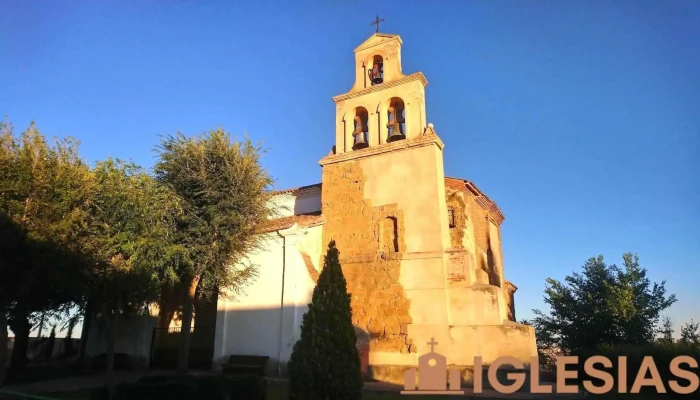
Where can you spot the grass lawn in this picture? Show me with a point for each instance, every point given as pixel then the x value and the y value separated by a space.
pixel 274 392
pixel 279 392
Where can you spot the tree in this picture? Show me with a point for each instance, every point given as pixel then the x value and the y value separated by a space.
pixel 666 331
pixel 68 348
pixel 41 187
pixel 605 304
pixel 325 361
pixel 12 240
pixel 223 188
pixel 127 230
pixel 690 332
pixel 50 343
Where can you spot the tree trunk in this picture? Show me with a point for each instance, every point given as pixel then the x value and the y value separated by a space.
pixel 167 307
pixel 3 343
pixel 111 322
pixel 41 326
pixel 20 326
pixel 85 331
pixel 183 357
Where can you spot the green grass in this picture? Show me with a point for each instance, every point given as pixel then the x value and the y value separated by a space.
pixel 274 392
pixel 279 392
pixel 81 394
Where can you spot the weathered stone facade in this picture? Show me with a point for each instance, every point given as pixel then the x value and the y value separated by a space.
pixel 370 240
pixel 421 253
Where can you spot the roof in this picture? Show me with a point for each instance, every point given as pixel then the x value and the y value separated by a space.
pixel 479 196
pixel 298 190
pixel 377 39
pixel 305 220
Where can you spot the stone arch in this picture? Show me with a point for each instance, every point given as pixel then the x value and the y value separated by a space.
pixel 375 70
pixel 341 131
pixel 396 124
pixel 381 120
pixel 360 128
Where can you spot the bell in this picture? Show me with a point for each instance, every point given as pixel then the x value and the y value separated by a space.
pixel 359 141
pixel 395 126
pixel 395 134
pixel 376 74
pixel 359 135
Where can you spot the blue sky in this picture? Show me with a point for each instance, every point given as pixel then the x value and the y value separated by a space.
pixel 580 119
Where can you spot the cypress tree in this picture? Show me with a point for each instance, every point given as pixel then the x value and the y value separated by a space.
pixel 325 362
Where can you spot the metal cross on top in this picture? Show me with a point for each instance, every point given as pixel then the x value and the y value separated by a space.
pixel 376 22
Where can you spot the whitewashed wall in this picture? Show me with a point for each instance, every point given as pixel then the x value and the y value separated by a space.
pixel 261 322
pixel 308 202
pixel 133 337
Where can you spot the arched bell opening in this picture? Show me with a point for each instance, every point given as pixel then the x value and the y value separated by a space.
pixel 397 120
pixel 361 139
pixel 376 72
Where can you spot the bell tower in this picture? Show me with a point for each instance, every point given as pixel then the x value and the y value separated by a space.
pixel 383 105
pixel 408 265
pixel 383 200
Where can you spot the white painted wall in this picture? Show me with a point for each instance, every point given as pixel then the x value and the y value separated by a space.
pixel 133 337
pixel 288 204
pixel 308 202
pixel 284 204
pixel 261 322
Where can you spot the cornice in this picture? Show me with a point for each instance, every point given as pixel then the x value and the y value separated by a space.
pixel 383 39
pixel 420 141
pixel 418 76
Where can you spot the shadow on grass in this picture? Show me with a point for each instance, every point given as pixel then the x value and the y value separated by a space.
pixel 275 392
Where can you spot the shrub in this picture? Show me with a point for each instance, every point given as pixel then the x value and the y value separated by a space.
pixel 325 362
pixel 247 387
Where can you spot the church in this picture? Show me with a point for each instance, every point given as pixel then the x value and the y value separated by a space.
pixel 421 252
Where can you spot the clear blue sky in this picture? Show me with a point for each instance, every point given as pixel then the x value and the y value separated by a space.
pixel 581 119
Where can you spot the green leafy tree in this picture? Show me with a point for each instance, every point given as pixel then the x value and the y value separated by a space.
pixel 127 230
pixel 602 305
pixel 223 188
pixel 325 361
pixel 12 239
pixel 690 332
pixel 666 331
pixel 42 186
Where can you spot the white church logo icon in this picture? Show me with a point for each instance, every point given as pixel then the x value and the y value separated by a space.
pixel 432 368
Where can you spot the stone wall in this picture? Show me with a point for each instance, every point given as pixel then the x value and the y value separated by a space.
pixel 510 300
pixel 471 216
pixel 370 240
pixel 455 202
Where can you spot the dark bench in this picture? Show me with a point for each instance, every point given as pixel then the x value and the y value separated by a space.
pixel 246 365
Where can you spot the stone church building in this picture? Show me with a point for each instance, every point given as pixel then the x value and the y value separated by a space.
pixel 421 252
